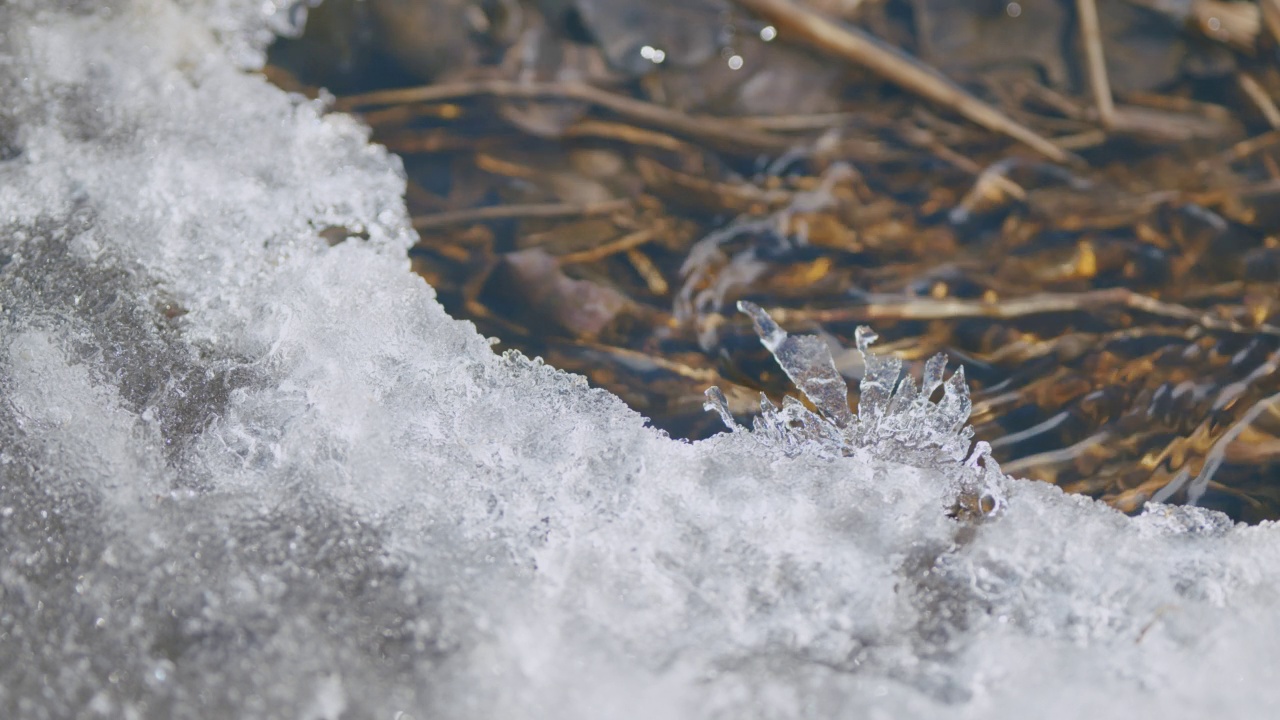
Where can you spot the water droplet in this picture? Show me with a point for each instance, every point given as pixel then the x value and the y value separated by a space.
pixel 653 54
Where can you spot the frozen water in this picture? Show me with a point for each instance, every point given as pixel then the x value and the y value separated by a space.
pixel 895 419
pixel 245 473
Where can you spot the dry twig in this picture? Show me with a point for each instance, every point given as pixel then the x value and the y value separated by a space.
pixel 1096 63
pixel 629 241
pixel 507 212
pixel 1260 99
pixel 711 130
pixel 1039 304
pixel 803 25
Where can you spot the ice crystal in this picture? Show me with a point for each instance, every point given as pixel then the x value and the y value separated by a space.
pixel 896 419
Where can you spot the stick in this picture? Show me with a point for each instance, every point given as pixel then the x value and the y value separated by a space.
pixel 852 44
pixel 1261 99
pixel 622 244
pixel 506 212
pixel 1039 304
pixel 1095 62
pixel 709 129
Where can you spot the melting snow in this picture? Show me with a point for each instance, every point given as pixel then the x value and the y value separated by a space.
pixel 246 474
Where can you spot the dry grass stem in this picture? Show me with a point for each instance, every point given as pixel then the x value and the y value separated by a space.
pixel 505 212
pixel 799 24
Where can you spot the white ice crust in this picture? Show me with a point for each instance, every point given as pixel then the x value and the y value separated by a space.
pixel 247 473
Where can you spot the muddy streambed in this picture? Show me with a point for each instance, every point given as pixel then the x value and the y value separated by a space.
pixel 1076 202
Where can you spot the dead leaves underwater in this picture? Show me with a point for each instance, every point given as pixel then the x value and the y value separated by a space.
pixel 1078 201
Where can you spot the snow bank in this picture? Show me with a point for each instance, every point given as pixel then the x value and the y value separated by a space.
pixel 247 473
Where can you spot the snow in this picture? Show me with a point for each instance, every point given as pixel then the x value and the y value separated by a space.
pixel 245 473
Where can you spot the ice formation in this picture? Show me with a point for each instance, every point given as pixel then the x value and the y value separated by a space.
pixel 896 420
pixel 247 473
